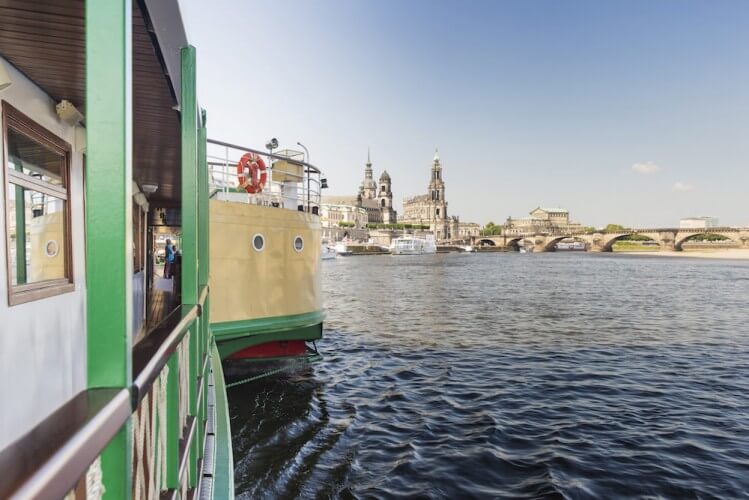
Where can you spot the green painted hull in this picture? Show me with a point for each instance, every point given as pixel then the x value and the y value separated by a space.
pixel 233 336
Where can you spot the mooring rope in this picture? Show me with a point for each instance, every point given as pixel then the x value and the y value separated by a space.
pixel 305 360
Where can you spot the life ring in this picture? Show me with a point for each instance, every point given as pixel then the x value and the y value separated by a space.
pixel 252 173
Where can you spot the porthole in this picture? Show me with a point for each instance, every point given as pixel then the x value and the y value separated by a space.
pixel 298 244
pixel 258 242
pixel 51 248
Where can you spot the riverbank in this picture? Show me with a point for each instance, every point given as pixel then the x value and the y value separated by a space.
pixel 724 254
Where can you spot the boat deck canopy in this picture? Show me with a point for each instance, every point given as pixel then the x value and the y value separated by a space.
pixel 45 40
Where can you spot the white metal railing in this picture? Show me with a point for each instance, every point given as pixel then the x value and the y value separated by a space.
pixel 292 183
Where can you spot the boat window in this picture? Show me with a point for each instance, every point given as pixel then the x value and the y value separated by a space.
pixel 258 242
pixel 298 244
pixel 37 215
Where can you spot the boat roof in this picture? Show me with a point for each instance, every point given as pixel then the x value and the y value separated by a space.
pixel 45 40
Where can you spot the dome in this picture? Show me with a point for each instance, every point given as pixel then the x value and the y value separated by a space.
pixel 385 176
pixel 369 183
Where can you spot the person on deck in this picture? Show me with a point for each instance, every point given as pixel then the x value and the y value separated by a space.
pixel 168 259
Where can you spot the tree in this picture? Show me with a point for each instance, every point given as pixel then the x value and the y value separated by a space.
pixel 491 229
pixel 613 228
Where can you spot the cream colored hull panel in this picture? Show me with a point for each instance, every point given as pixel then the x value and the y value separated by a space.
pixel 277 281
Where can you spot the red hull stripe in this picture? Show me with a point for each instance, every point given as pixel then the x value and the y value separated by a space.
pixel 274 349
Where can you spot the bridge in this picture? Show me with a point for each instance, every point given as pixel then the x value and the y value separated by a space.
pixel 603 241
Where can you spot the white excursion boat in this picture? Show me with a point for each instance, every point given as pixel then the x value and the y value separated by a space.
pixel 327 252
pixel 410 245
pixel 341 248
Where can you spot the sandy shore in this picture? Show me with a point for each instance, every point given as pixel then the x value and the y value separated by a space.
pixel 730 254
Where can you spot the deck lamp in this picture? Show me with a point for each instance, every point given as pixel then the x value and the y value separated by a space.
pixel 149 188
pixel 68 113
pixel 5 80
pixel 270 146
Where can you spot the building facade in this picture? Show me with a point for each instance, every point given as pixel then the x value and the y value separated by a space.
pixel 340 221
pixel 377 198
pixel 336 215
pixel 372 204
pixel 698 222
pixel 542 221
pixel 468 230
pixel 431 208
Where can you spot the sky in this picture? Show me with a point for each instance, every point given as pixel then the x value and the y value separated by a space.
pixel 631 112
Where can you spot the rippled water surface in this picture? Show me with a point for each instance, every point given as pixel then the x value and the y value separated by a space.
pixel 509 375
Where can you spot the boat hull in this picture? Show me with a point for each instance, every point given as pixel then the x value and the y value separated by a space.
pixel 266 295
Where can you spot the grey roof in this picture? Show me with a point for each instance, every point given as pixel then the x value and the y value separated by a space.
pixel 551 210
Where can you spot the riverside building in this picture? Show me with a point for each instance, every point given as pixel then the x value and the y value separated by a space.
pixel 698 222
pixel 431 209
pixel 376 199
pixel 342 221
pixel 542 220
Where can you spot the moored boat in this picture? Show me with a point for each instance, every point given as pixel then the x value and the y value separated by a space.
pixel 327 252
pixel 265 254
pixel 342 249
pixel 117 386
pixel 412 245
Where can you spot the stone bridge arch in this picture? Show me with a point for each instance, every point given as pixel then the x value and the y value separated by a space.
pixel 484 242
pixel 729 235
pixel 551 241
pixel 609 240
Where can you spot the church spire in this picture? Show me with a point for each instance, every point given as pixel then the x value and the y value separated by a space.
pixel 368 186
pixel 436 155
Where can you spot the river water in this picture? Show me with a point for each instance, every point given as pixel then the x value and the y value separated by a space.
pixel 508 375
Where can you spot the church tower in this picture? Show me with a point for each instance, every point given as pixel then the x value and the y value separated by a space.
pixel 436 185
pixel 386 194
pixel 385 199
pixel 441 222
pixel 368 187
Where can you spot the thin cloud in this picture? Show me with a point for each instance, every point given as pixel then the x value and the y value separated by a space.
pixel 645 167
pixel 680 186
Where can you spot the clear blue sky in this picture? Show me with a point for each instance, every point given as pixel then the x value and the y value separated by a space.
pixel 631 112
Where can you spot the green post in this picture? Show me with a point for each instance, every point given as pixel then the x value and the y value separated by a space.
pixel 109 259
pixel 20 236
pixel 189 122
pixel 202 267
pixel 173 432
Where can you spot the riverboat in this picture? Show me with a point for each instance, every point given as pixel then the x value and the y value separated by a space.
pixel 411 245
pixel 118 382
pixel 265 251
pixel 327 252
pixel 342 249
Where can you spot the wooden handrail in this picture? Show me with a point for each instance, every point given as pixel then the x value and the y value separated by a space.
pixel 153 352
pixel 48 460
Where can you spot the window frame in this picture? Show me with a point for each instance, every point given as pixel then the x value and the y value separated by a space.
pixel 22 124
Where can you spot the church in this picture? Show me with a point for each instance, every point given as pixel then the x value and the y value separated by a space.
pixel 431 208
pixel 375 197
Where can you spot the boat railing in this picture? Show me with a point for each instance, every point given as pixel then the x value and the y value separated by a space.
pixel 292 183
pixel 166 407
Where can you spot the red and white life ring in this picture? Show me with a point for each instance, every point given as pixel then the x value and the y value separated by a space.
pixel 252 173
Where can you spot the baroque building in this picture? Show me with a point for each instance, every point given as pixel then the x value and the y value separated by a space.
pixel 542 220
pixel 376 198
pixel 431 208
